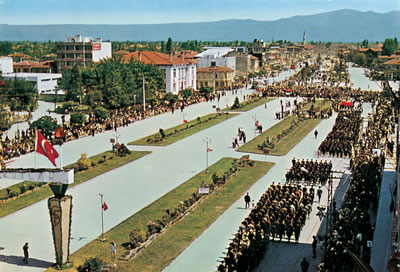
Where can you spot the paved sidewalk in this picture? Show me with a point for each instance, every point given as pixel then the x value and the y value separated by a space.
pixel 382 243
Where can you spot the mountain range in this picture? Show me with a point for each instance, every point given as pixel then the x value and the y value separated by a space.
pixel 337 26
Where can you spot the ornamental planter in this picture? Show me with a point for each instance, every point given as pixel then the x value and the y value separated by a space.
pixel 60 216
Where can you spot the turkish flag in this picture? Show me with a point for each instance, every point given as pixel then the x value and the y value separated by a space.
pixel 105 207
pixel 43 147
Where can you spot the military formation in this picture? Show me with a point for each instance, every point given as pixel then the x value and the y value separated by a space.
pixel 351 228
pixel 340 141
pixel 280 213
pixel 312 172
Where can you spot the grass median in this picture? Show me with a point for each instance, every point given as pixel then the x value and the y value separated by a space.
pixel 251 104
pixel 286 143
pixel 169 245
pixel 182 131
pixel 40 193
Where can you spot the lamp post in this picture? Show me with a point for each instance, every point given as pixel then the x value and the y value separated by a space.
pixel 207 141
pixel 102 219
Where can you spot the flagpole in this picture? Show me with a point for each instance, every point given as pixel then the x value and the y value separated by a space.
pixel 36 138
pixel 102 220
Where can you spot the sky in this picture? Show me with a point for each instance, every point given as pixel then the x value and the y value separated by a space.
pixel 38 12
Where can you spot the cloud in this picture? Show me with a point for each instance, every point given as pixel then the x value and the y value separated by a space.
pixel 2 2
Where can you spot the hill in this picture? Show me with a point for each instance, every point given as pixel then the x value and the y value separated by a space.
pixel 341 25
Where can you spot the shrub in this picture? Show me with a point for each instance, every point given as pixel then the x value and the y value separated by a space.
pixel 78 118
pixel 91 265
pixel 22 188
pixel 136 237
pixel 83 163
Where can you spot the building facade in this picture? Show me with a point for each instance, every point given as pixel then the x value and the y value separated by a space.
pixel 217 56
pixel 215 77
pixel 80 51
pixel 29 66
pixel 45 83
pixel 392 69
pixel 6 65
pixel 180 73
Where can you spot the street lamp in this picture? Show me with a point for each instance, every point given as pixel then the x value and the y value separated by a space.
pixel 207 141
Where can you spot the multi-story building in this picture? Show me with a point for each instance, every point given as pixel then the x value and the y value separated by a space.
pixel 245 64
pixel 180 73
pixel 215 77
pixel 80 50
pixel 392 69
pixel 45 83
pixel 217 56
pixel 6 65
pixel 29 66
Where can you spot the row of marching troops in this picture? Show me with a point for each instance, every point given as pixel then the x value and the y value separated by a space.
pixel 312 172
pixel 353 227
pixel 280 213
pixel 345 132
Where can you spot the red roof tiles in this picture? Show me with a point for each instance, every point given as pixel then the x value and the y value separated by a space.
pixel 156 58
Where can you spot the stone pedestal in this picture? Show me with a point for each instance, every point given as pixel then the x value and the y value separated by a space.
pixel 60 216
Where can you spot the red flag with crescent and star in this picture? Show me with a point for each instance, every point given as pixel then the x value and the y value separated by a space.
pixel 43 147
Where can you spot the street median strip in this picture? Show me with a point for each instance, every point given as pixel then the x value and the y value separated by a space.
pixel 174 134
pixel 238 176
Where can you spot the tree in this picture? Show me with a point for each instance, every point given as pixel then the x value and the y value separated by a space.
pixel 169 45
pixel 171 98
pixel 364 43
pixel 101 113
pixel 162 47
pixel 78 118
pixel 389 46
pixel 186 93
pixel 45 124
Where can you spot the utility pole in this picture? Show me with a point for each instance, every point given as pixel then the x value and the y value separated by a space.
pixel 207 141
pixel 102 219
pixel 144 98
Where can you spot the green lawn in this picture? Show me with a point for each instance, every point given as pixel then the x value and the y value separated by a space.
pixel 251 104
pixel 169 245
pixel 285 144
pixel 182 131
pixel 292 139
pixel 44 192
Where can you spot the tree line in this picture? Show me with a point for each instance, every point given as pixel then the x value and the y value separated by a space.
pixel 113 83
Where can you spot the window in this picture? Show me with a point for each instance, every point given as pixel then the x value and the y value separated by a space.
pixel 216 75
pixel 174 76
pixel 213 63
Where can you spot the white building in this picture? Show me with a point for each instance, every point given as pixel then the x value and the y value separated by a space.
pixel 217 56
pixel 46 83
pixel 80 50
pixel 180 73
pixel 6 65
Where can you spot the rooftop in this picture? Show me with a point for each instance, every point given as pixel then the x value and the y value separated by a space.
pixel 392 62
pixel 156 58
pixel 214 52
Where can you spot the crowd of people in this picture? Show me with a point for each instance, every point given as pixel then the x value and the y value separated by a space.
pixel 344 134
pixel 280 214
pixel 310 171
pixel 24 140
pixel 352 227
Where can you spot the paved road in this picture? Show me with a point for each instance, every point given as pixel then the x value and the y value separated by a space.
pixel 128 188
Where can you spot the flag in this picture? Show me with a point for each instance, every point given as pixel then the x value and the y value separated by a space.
pixel 105 207
pixel 303 169
pixel 185 121
pixel 43 147
pixel 209 149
